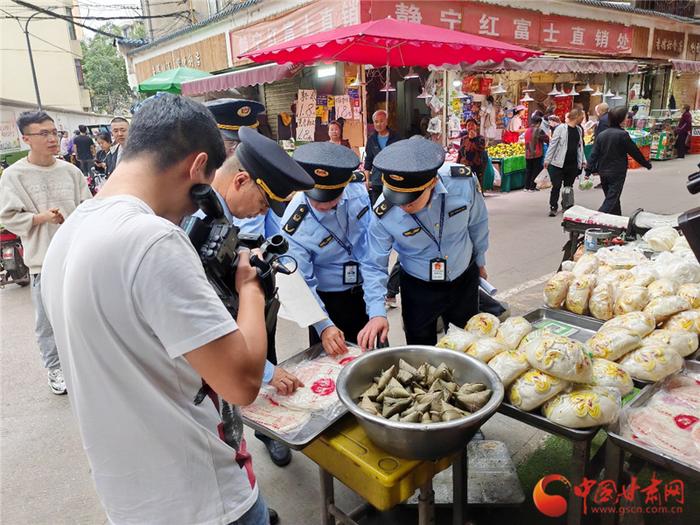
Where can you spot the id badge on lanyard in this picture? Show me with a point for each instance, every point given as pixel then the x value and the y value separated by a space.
pixel 351 273
pixel 438 270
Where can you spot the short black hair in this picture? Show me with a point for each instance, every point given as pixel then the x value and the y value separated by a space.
pixel 489 98
pixel 171 127
pixel 535 120
pixel 82 128
pixel 105 136
pixel 31 117
pixel 118 119
pixel 635 108
pixel 617 116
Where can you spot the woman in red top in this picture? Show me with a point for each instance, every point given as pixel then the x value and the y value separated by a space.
pixel 535 139
pixel 683 130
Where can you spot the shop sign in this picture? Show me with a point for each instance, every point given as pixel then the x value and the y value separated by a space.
pixel 317 17
pixel 9 134
pixel 668 44
pixel 516 26
pixel 693 51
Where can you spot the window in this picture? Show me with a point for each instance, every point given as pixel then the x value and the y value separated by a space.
pixel 79 72
pixel 71 25
pixel 213 7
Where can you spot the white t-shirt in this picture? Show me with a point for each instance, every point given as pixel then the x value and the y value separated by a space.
pixel 127 296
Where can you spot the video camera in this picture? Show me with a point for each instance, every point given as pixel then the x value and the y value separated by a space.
pixel 689 221
pixel 218 242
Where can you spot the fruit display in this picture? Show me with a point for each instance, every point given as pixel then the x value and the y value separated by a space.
pixel 506 151
pixel 640 137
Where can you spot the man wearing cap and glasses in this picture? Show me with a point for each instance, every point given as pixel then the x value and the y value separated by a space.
pixel 436 219
pixel 253 185
pixel 326 228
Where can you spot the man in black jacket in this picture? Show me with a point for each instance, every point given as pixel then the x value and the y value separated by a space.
pixel 603 115
pixel 609 160
pixel 376 142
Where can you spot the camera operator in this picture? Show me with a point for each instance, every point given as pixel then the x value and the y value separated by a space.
pixel 138 328
pixel 247 205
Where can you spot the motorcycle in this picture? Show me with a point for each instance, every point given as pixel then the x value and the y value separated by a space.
pixel 95 181
pixel 12 267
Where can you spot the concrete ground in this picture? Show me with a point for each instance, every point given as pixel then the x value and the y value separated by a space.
pixel 45 477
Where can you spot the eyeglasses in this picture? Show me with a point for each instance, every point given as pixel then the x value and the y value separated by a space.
pixel 43 134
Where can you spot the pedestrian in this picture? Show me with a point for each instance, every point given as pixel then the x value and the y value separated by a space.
pixel 683 132
pixel 377 141
pixel 335 134
pixel 603 123
pixel 535 139
pixel 247 207
pixel 104 141
pixel 472 151
pixel 487 127
pixel 84 150
pixel 609 160
pixel 66 148
pixel 37 193
pixel 564 160
pixel 548 114
pixel 120 132
pixel 516 125
pixel 327 228
pixel 434 216
pixel 141 330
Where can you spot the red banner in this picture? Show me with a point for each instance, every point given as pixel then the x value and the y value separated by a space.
pixel 516 26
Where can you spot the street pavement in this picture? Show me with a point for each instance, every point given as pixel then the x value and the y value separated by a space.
pixel 44 474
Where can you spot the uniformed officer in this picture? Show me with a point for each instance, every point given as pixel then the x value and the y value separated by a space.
pixel 231 115
pixel 326 228
pixel 438 224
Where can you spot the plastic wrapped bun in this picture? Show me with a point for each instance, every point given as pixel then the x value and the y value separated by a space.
pixel 678 268
pixel 652 363
pixel 683 342
pixel 560 357
pixel 618 278
pixel 486 348
pixel 512 331
pixel 534 388
pixel 483 325
pixel 601 302
pixel 661 239
pixel 535 334
pixel 556 289
pixel 662 308
pixel 631 299
pixel 456 339
pixel 584 408
pixel 639 323
pixel 613 343
pixel 690 292
pixel 688 321
pixel 509 365
pixel 662 288
pixel 609 374
pixel 587 264
pixel 681 245
pixel 579 294
pixel 644 274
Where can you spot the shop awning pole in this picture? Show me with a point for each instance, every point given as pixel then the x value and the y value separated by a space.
pixel 386 86
pixel 444 107
pixel 363 94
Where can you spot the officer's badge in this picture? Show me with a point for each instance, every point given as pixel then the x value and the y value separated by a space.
pixel 456 211
pixel 295 220
pixel 381 208
pixel 321 172
pixel 362 212
pixel 325 241
pixel 412 232
pixel 244 111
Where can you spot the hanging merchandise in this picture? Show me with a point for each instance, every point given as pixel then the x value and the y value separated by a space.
pixel 436 104
pixel 435 126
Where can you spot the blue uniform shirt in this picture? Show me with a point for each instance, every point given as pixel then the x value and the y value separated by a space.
pixel 255 222
pixel 319 256
pixel 465 236
pixel 266 225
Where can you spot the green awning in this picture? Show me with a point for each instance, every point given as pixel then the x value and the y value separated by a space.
pixel 171 80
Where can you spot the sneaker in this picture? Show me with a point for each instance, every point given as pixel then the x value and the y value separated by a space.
pixel 56 382
pixel 552 212
pixel 390 302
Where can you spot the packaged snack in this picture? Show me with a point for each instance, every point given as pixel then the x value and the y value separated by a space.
pixel 688 321
pixel 683 342
pixel 644 274
pixel 456 339
pixel 639 323
pixel 612 343
pixel 560 357
pixel 662 288
pixel 534 388
pixel 509 365
pixel 601 302
pixel 661 239
pixel 512 331
pixel 483 325
pixel 584 408
pixel 486 348
pixel 662 308
pixel 610 374
pixel 652 363
pixel 587 264
pixel 690 292
pixel 556 289
pixel 579 294
pixel 618 278
pixel 631 299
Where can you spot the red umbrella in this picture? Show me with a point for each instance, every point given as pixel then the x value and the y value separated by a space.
pixel 390 42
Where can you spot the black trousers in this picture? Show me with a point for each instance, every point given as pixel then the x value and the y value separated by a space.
pixel 422 302
pixel 612 188
pixel 561 176
pixel 533 168
pixel 680 145
pixel 393 286
pixel 85 166
pixel 346 310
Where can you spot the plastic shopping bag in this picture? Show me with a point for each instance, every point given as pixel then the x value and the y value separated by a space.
pixel 542 181
pixel 585 183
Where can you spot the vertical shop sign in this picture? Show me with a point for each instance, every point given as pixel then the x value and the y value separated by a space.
pixel 306 115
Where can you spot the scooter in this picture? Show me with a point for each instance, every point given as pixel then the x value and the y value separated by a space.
pixel 12 267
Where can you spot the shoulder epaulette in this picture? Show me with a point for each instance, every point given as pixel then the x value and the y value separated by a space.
pixel 357 176
pixel 381 208
pixel 460 171
pixel 295 220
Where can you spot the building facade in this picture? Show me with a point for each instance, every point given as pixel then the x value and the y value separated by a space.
pixel 55 45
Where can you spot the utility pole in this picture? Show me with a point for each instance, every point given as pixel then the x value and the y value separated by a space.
pixel 31 59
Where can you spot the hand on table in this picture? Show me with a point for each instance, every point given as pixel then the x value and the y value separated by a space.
pixel 333 340
pixel 377 327
pixel 284 382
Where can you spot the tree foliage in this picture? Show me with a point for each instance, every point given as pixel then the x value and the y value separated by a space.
pixel 105 72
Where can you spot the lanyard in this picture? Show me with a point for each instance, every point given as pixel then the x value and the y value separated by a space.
pixel 345 245
pixel 438 241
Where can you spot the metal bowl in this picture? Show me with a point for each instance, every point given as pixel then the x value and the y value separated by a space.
pixel 418 440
